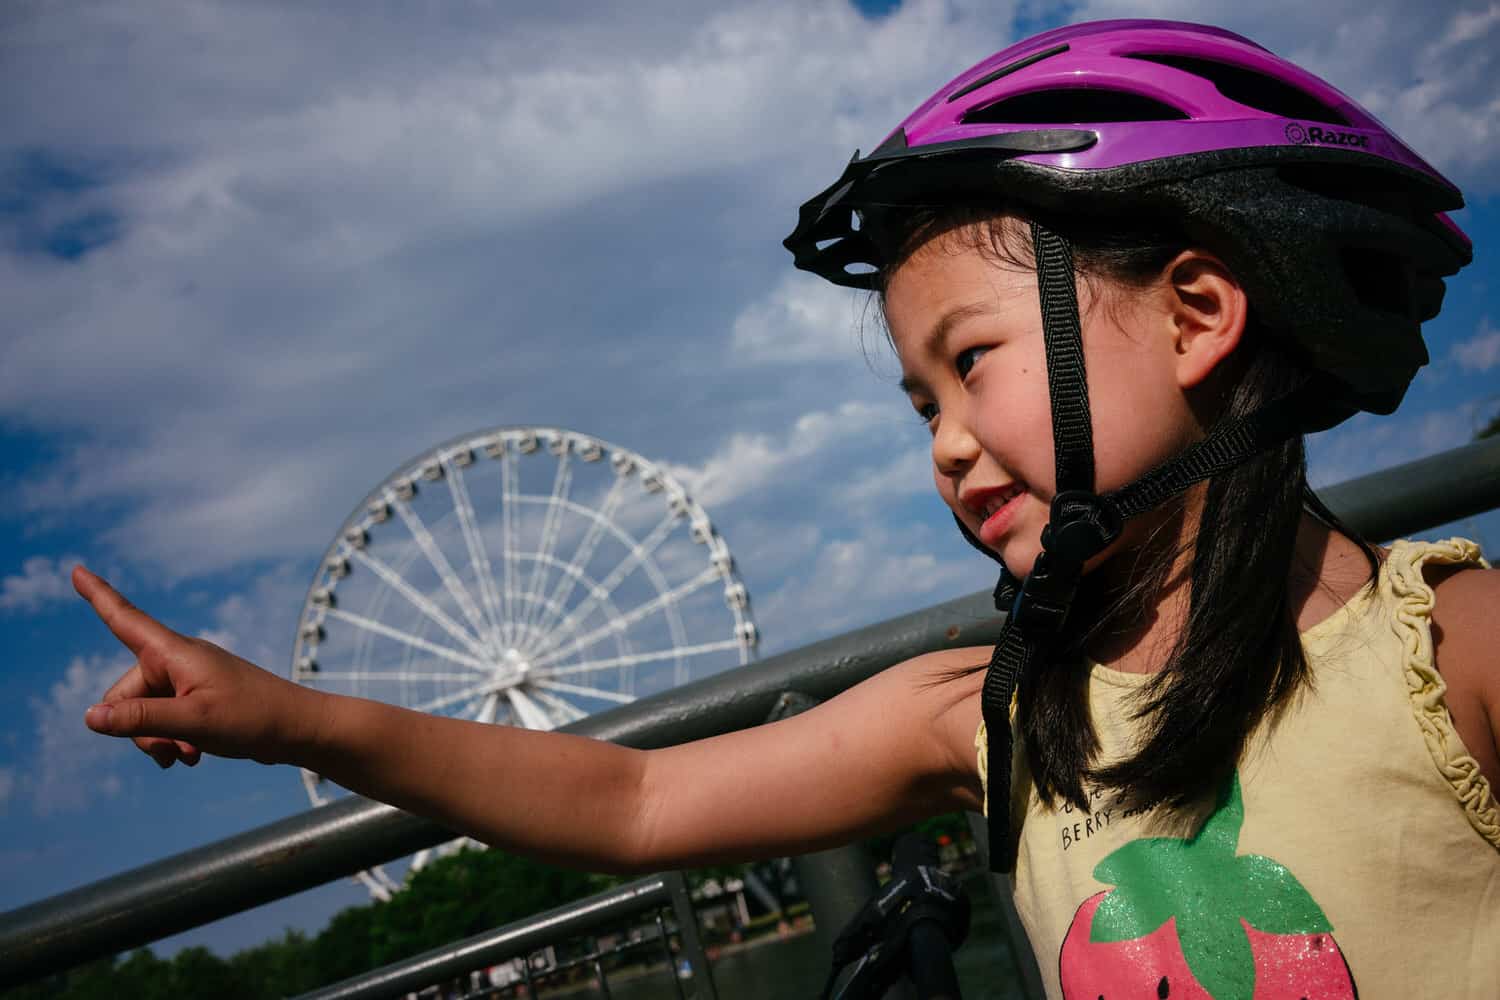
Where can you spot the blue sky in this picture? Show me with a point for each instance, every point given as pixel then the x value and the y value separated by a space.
pixel 254 256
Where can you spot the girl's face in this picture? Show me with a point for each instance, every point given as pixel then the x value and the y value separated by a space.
pixel 968 332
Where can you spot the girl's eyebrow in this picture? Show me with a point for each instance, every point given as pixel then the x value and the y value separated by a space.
pixel 937 338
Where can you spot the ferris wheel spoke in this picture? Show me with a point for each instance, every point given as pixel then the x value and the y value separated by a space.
pixel 414 641
pixel 587 692
pixel 405 677
pixel 456 698
pixel 507 544
pixel 531 715
pixel 525 632
pixel 619 624
pixel 488 710
pixel 525 638
pixel 566 709
pixel 494 601
pixel 418 600
pixel 551 525
pixel 598 521
pixel 638 554
pixel 479 559
pixel 632 659
pixel 440 563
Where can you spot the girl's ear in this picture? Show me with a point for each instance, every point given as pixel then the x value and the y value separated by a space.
pixel 1208 309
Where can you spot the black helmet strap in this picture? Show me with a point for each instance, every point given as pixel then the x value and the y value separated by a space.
pixel 1082 523
pixel 1080 526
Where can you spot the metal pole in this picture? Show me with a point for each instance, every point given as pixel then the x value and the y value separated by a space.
pixel 666 949
pixel 837 881
pixel 332 841
pixel 692 941
pixel 599 972
pixel 1421 495
pixel 493 947
pixel 336 840
pixel 531 991
pixel 1003 890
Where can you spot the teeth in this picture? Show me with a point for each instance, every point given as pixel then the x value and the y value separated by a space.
pixel 998 501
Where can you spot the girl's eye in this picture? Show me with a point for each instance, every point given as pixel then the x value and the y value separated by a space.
pixel 927 412
pixel 966 360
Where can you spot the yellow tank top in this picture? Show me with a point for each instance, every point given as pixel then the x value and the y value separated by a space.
pixel 1356 851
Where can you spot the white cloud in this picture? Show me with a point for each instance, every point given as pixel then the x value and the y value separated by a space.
pixel 876 573
pixel 1368 443
pixel 74 766
pixel 909 474
pixel 42 581
pixel 1470 25
pixel 330 262
pixel 1427 71
pixel 804 318
pixel 748 462
pixel 259 620
pixel 1481 352
pixel 327 263
pixel 842 453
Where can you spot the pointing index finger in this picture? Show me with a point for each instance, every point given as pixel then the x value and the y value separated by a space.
pixel 131 625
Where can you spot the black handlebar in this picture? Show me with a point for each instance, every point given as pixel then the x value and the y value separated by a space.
pixel 929 953
pixel 910 927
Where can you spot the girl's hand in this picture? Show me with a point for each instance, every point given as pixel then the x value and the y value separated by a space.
pixel 186 696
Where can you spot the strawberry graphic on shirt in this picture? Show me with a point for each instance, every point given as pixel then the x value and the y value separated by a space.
pixel 1191 918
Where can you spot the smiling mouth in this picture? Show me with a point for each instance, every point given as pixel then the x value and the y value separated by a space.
pixel 993 501
pixel 1002 498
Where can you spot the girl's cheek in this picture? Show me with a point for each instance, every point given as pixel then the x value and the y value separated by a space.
pixel 945 490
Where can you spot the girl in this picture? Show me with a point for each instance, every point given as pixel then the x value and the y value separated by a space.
pixel 1252 754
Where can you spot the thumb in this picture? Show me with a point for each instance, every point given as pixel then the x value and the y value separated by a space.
pixel 139 717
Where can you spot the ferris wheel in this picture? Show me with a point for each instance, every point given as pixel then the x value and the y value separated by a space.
pixel 528 576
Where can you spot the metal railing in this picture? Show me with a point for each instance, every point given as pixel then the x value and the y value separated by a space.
pixel 339 839
pixel 520 939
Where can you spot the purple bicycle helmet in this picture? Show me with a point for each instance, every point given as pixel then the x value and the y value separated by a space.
pixel 1335 227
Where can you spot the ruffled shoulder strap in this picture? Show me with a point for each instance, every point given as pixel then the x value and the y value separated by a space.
pixel 1412 599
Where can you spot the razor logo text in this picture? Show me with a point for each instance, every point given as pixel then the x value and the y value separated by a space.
pixel 1301 135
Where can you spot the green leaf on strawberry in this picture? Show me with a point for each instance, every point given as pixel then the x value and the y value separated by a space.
pixel 1190 910
pixel 1272 900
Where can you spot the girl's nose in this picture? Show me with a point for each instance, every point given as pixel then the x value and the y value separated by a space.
pixel 954 448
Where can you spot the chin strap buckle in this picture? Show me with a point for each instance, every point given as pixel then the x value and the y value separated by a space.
pixel 1082 525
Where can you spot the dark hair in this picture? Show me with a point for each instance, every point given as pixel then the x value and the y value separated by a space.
pixel 1238 660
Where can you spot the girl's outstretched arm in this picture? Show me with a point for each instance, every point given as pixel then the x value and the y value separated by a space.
pixel 890 750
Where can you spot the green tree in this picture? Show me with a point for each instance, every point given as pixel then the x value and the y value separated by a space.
pixel 343 948
pixel 1490 429
pixel 94 980
pixel 144 976
pixel 278 968
pixel 454 897
pixel 198 972
pixel 466 893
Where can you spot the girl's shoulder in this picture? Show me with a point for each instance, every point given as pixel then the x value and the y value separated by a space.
pixel 1466 652
pixel 1449 585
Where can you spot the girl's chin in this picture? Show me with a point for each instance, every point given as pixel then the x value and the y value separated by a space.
pixel 1020 557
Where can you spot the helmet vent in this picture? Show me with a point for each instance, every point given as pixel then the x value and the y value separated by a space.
pixel 1370 186
pixel 1252 89
pixel 1007 70
pixel 1073 105
pixel 1380 280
